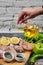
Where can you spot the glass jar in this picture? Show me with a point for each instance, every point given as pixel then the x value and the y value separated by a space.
pixel 31 30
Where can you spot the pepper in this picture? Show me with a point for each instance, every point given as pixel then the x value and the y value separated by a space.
pixel 38 48
pixel 35 57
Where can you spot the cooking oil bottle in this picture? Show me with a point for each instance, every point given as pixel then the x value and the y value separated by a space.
pixel 30 30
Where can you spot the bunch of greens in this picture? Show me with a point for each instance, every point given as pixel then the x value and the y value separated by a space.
pixel 38 38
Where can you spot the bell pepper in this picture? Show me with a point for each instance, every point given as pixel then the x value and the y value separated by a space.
pixel 35 57
pixel 38 48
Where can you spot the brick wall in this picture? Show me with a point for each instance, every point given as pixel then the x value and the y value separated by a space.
pixel 10 9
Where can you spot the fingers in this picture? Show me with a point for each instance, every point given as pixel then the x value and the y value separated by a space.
pixel 24 20
pixel 23 17
pixel 20 17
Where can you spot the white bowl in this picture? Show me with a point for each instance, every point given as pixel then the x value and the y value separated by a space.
pixel 7 59
pixel 19 59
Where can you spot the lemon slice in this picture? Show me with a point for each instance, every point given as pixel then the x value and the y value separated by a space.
pixel 5 41
pixel 14 40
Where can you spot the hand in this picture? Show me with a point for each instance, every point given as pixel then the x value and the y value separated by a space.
pixel 28 13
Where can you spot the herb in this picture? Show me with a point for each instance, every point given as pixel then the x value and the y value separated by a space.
pixel 8 55
pixel 38 38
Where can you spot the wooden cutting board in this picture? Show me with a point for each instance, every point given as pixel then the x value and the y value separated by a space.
pixel 27 55
pixel 14 62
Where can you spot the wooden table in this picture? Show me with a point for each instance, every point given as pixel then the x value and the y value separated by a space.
pixel 27 55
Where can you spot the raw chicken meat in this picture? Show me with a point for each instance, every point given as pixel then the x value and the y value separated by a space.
pixel 18 48
pixel 5 48
pixel 1 53
pixel 9 48
pixel 26 45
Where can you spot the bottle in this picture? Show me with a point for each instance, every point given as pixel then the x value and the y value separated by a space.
pixel 31 30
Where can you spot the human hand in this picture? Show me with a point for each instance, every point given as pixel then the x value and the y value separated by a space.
pixel 28 13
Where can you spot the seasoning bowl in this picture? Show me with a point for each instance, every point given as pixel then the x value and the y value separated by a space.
pixel 19 57
pixel 8 56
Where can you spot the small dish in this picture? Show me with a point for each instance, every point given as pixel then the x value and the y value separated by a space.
pixel 8 56
pixel 19 57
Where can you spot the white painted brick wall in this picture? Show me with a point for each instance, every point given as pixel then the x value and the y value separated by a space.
pixel 10 9
pixel 2 10
pixel 4 4
pixel 28 3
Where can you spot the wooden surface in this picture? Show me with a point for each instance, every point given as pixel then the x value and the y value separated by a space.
pixel 14 62
pixel 27 54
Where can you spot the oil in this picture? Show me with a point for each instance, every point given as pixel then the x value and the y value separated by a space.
pixel 30 30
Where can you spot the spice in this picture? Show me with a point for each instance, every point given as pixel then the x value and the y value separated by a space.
pixel 19 56
pixel 8 55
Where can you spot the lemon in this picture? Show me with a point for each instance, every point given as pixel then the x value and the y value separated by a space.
pixel 14 40
pixel 5 41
